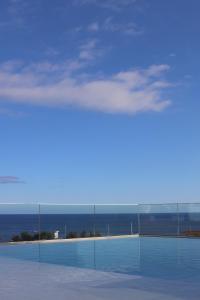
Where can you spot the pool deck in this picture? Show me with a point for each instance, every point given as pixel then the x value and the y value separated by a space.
pixel 21 280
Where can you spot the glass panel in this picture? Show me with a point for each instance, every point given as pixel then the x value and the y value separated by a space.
pixel 189 219
pixel 159 220
pixel 116 219
pixel 66 221
pixel 18 222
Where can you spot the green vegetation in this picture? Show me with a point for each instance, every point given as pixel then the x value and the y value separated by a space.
pixel 44 235
pixel 16 238
pixel 47 235
pixel 26 236
pixel 98 234
pixel 72 235
pixel 192 233
pixel 83 234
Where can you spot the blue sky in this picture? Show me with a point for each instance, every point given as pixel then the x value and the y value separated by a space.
pixel 99 101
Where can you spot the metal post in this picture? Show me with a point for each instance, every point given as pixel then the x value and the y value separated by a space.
pixel 131 228
pixel 39 231
pixel 139 225
pixel 39 222
pixel 94 225
pixel 178 221
pixel 108 230
pixel 65 231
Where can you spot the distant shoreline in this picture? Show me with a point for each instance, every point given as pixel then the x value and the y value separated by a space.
pixel 71 240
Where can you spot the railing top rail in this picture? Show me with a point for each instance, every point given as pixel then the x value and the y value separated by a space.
pixel 101 204
pixel 74 204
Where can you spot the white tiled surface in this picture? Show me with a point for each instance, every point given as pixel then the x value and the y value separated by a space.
pixel 24 280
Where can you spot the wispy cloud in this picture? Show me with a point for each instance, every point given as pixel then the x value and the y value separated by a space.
pixel 10 180
pixel 52 52
pixel 107 4
pixel 130 91
pixel 109 25
pixel 88 50
pixel 93 26
pixel 17 14
pixel 17 10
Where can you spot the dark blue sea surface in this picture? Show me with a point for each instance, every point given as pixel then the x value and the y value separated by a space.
pixel 170 224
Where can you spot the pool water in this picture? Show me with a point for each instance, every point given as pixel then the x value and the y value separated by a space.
pixel 167 258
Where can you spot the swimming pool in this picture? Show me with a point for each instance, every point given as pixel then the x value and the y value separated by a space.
pixel 166 258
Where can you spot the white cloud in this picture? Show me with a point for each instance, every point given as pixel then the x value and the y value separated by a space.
pixel 128 28
pixel 129 92
pixel 88 50
pixel 157 70
pixel 93 26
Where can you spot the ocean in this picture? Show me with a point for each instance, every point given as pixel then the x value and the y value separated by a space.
pixel 163 224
